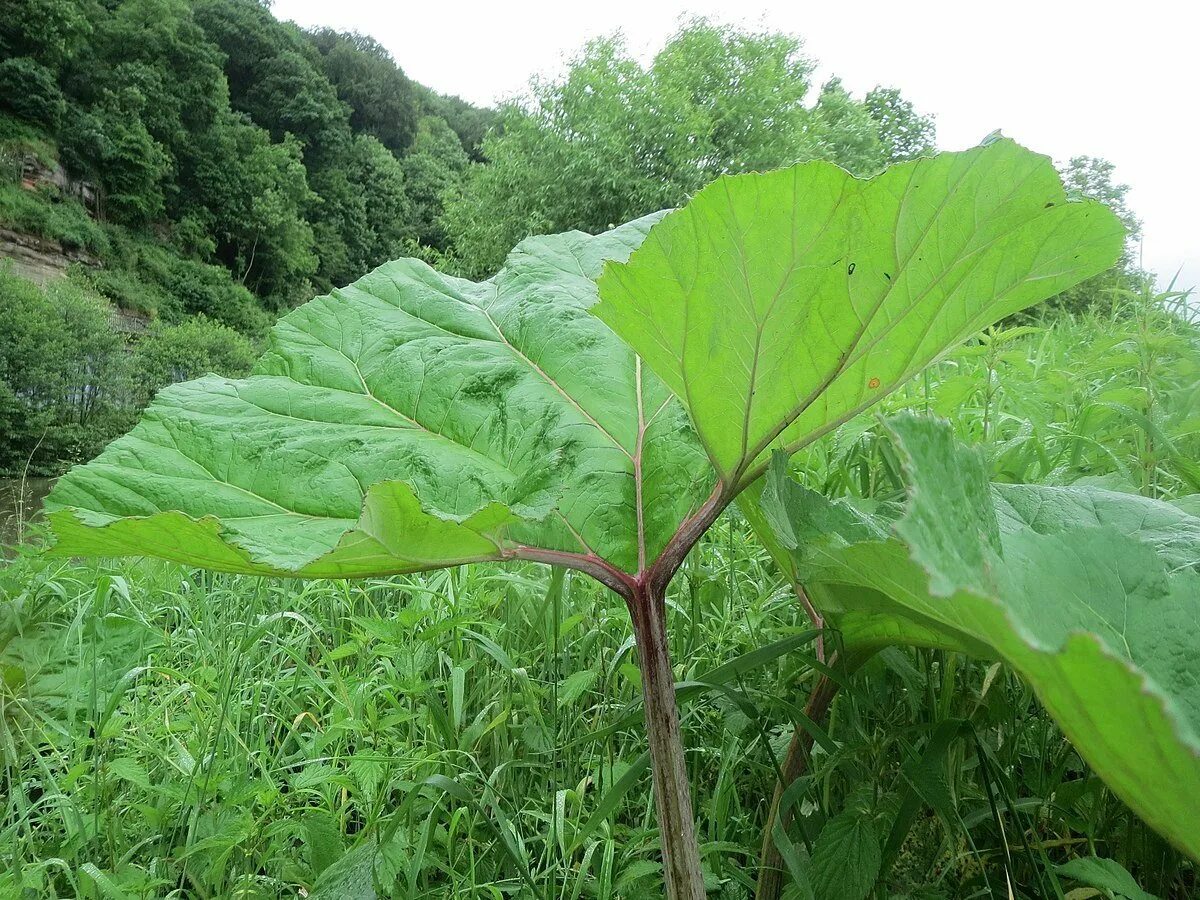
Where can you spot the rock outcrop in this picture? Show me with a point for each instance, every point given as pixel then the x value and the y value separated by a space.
pixel 39 259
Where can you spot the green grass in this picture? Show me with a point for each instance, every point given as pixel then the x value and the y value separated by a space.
pixel 18 138
pixel 168 732
pixel 60 219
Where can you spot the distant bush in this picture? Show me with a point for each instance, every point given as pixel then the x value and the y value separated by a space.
pixel 64 375
pixel 149 277
pixel 170 353
pixel 124 288
pixel 30 91
pixel 205 289
pixel 70 383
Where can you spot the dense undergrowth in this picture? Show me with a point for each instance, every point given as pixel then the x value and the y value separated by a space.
pixel 169 732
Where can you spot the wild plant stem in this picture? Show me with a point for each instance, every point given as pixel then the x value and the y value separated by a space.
pixel 795 764
pixel 672 791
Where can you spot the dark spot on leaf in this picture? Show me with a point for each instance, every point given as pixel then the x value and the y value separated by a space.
pixel 887 276
pixel 1048 205
pixel 850 270
pixel 494 385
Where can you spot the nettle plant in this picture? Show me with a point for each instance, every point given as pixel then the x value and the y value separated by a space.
pixel 600 401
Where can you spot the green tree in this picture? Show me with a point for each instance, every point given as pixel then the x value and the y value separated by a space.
pixel 470 123
pixel 845 131
pixel 904 133
pixel 743 91
pixel 381 99
pixel 1091 178
pixel 167 354
pixel 614 139
pixel 433 169
pixel 49 31
pixel 111 141
pixel 360 214
pixel 29 91
pixel 252 196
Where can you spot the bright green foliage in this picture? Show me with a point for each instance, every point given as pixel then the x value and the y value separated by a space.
pixel 412 408
pixel 70 382
pixel 341 654
pixel 63 375
pixel 1105 874
pixel 616 139
pixel 1091 596
pixel 169 353
pixel 489 402
pixel 781 309
pixel 903 132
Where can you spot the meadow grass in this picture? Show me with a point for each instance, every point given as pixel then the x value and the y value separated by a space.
pixel 167 732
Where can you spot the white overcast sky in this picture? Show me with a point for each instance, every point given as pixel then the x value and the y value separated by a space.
pixel 1118 80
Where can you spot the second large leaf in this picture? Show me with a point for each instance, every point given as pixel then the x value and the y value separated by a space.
pixel 1092 596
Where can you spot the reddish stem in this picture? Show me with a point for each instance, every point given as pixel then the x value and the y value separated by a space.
pixel 799 752
pixel 672 790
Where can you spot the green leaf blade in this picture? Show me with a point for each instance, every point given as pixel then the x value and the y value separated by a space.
pixel 1098 615
pixel 777 306
pixel 846 857
pixel 409 421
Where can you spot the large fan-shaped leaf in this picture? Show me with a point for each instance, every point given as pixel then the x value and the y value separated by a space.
pixel 414 420
pixel 1092 596
pixel 777 306
pixel 410 420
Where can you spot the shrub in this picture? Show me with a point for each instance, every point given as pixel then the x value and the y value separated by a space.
pixel 29 91
pixel 170 353
pixel 45 214
pixel 64 375
pixel 148 277
pixel 200 288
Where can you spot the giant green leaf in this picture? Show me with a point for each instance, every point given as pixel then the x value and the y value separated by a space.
pixel 777 306
pixel 408 421
pixel 415 420
pixel 1092 596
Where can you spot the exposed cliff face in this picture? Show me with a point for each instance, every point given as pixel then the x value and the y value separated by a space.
pixel 37 174
pixel 43 260
pixel 34 257
pixel 39 259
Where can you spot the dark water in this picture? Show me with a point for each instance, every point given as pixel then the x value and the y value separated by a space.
pixel 20 503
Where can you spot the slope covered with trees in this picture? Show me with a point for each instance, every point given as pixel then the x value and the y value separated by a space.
pixel 214 162
pixel 239 140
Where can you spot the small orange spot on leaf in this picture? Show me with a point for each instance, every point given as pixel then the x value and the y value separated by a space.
pixel 873 383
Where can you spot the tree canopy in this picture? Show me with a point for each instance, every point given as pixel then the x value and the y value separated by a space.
pixel 614 139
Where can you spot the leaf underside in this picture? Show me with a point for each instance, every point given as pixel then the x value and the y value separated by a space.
pixel 414 420
pixel 777 306
pixel 409 421
pixel 1092 596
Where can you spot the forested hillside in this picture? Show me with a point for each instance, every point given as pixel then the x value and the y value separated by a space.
pixel 201 159
pixel 204 166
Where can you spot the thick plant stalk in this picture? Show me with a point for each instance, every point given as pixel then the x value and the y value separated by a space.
pixel 672 792
pixel 770 861
pixel 795 764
